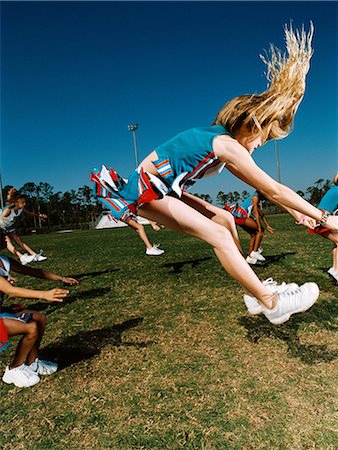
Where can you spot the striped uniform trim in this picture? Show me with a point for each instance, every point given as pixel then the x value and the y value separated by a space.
pixel 164 168
pixel 100 190
pixel 231 208
pixel 117 203
pixel 241 213
pixel 207 163
pixel 142 183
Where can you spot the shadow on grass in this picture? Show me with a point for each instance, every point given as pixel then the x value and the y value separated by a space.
pixel 93 274
pixel 332 279
pixel 272 259
pixel 51 307
pixel 178 266
pixel 87 344
pixel 322 314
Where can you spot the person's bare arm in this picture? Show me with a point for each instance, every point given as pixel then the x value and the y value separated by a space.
pixel 53 295
pixel 33 214
pixel 255 210
pixel 241 164
pixel 258 211
pixel 40 273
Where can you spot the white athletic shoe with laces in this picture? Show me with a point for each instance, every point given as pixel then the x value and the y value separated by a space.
pixel 292 300
pixel 26 259
pixel 154 251
pixel 252 304
pixel 20 376
pixel 257 255
pixel 43 367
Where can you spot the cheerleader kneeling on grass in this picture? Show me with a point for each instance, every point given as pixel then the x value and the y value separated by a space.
pixel 329 205
pixel 15 206
pixel 155 190
pixel 26 367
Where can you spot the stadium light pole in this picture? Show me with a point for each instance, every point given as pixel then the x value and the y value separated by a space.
pixel 134 127
pixel 277 161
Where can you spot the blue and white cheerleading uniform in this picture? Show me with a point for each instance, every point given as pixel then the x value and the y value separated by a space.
pixel 329 201
pixel 8 313
pixel 245 209
pixel 182 160
pixel 7 223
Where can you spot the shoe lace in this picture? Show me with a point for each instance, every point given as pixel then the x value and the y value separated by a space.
pixel 288 297
pixel 279 288
pixel 270 280
pixel 287 289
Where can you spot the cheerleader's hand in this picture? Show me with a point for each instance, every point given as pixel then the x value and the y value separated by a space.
pixel 309 223
pixel 69 280
pixel 270 229
pixel 55 295
pixel 11 279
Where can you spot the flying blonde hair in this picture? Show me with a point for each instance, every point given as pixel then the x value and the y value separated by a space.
pixel 272 112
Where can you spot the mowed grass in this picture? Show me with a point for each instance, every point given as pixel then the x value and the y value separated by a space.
pixel 159 352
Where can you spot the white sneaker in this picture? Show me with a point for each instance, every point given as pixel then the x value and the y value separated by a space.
pixel 43 367
pixel 26 259
pixel 258 256
pixel 252 304
pixel 333 273
pixel 260 250
pixel 20 376
pixel 154 251
pixel 39 257
pixel 292 300
pixel 251 260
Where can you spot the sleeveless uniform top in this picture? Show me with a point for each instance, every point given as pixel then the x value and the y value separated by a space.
pixel 329 201
pixel 245 209
pixel 7 223
pixel 189 156
pixel 181 161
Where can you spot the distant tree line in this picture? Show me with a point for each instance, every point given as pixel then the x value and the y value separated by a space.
pixel 313 194
pixel 73 209
pixel 77 209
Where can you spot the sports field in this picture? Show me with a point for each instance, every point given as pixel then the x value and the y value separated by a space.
pixel 159 352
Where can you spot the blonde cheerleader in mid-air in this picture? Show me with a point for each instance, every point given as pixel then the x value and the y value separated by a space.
pixel 156 189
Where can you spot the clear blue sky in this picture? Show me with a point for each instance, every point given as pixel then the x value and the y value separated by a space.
pixel 75 74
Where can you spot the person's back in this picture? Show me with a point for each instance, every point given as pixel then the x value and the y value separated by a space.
pixel 329 201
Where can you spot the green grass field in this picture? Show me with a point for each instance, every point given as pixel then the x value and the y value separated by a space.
pixel 159 352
